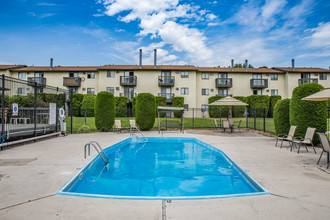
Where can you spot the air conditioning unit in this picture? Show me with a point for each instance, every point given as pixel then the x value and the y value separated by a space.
pixel 212 90
pixel 117 88
pixel 267 90
pixel 316 74
pixel 84 89
pixel 177 89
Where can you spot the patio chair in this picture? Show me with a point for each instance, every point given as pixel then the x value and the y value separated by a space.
pixel 226 125
pixel 288 138
pixel 132 125
pixel 216 126
pixel 237 126
pixel 307 140
pixel 118 127
pixel 325 146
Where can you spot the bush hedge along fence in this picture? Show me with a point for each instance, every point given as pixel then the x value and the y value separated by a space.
pixel 145 110
pixel 214 110
pixel 104 111
pixel 160 101
pixel 133 106
pixel 121 106
pixel 88 104
pixel 238 111
pixel 272 102
pixel 282 116
pixel 77 99
pixel 258 102
pixel 178 102
pixel 306 114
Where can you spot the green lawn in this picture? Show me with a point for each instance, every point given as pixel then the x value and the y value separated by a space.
pixel 188 123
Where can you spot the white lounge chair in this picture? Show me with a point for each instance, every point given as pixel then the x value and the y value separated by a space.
pixel 289 138
pixel 307 140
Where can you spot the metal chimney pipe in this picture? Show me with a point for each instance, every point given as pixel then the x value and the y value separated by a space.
pixel 246 65
pixel 292 61
pixel 155 58
pixel 51 64
pixel 232 64
pixel 140 59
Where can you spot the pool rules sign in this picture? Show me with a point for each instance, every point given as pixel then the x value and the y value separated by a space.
pixel 15 109
pixel 52 113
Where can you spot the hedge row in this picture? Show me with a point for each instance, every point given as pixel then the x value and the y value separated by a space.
pixel 121 106
pixel 43 100
pixel 282 116
pixel 177 102
pixel 160 101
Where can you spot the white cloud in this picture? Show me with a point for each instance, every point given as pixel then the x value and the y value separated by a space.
pixel 321 36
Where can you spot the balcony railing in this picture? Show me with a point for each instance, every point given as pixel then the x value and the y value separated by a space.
pixel 128 80
pixel 307 80
pixel 166 80
pixel 169 96
pixel 41 81
pixel 72 81
pixel 259 83
pixel 223 83
pixel 128 95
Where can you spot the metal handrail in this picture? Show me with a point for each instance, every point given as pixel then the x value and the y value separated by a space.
pixel 133 134
pixel 98 149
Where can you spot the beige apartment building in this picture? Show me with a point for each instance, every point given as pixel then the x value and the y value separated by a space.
pixel 195 84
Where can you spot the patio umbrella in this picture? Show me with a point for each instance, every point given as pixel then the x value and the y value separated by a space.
pixel 323 95
pixel 228 101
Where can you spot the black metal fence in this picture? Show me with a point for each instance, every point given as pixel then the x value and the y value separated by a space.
pixel 25 108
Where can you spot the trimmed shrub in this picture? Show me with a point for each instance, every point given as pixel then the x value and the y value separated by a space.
pixel 259 102
pixel 282 116
pixel 121 106
pixel 88 104
pixel 238 111
pixel 305 114
pixel 272 102
pixel 214 110
pixel 133 106
pixel 77 99
pixel 51 98
pixel 84 129
pixel 104 111
pixel 145 111
pixel 178 102
pixel 160 101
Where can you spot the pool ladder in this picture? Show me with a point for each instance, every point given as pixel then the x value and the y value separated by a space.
pixel 133 134
pixel 98 149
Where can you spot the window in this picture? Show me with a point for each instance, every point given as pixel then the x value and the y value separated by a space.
pixel 274 76
pixel 73 74
pixel 257 92
pixel 21 91
pixel 184 74
pixel 274 92
pixel 186 107
pixel 184 91
pixel 91 75
pixel 323 76
pixel 90 91
pixel 205 107
pixel 223 75
pixel 223 92
pixel 111 89
pixel 39 74
pixel 21 75
pixel 205 91
pixel 205 76
pixel 111 74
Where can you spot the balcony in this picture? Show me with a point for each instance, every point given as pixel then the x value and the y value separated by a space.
pixel 223 83
pixel 166 81
pixel 259 83
pixel 41 81
pixel 128 95
pixel 128 80
pixel 307 80
pixel 169 96
pixel 72 81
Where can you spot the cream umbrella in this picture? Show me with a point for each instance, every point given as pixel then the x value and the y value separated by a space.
pixel 323 95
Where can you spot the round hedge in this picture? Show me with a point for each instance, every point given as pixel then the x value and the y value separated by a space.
pixel 282 116
pixel 306 114
pixel 104 111
pixel 88 104
pixel 145 111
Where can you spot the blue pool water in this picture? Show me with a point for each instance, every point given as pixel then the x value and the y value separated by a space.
pixel 162 168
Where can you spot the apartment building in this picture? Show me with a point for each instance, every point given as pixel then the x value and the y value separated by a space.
pixel 195 84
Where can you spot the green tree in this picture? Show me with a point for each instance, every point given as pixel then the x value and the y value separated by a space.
pixel 104 111
pixel 145 110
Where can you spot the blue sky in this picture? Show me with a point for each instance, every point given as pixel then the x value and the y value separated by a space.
pixel 200 33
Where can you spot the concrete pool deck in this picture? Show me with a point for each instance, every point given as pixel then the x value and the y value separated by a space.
pixel 31 174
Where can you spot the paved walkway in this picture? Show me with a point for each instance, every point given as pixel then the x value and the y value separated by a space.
pixel 31 174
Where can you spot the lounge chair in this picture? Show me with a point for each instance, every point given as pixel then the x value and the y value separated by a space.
pixel 216 126
pixel 288 138
pixel 226 125
pixel 118 127
pixel 307 140
pixel 325 146
pixel 237 126
pixel 132 125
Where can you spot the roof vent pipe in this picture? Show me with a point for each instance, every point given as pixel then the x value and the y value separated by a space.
pixel 232 64
pixel 246 65
pixel 140 59
pixel 51 64
pixel 292 61
pixel 155 58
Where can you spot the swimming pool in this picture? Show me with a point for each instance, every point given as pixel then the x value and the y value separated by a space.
pixel 162 168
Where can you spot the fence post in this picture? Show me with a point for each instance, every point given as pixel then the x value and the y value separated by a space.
pixel 3 106
pixel 247 117
pixel 264 119
pixel 71 107
pixel 56 119
pixel 35 109
pixel 255 118
pixel 193 118
pixel 85 116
